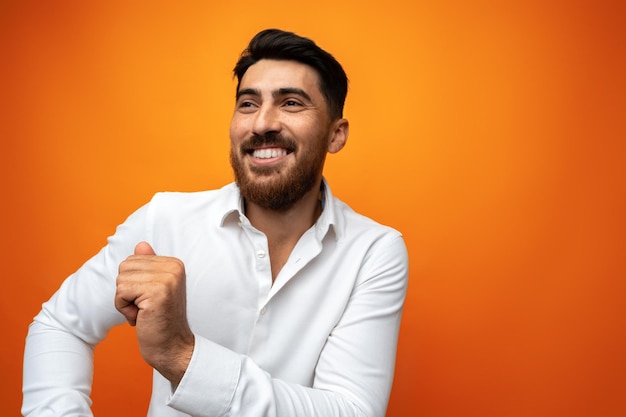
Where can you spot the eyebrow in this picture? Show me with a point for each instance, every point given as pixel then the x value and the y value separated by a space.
pixel 248 92
pixel 291 90
pixel 277 93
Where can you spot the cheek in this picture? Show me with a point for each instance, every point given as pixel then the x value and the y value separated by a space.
pixel 236 130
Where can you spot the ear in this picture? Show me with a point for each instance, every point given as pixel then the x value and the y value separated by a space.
pixel 339 135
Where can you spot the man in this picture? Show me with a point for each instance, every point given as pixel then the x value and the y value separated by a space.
pixel 268 297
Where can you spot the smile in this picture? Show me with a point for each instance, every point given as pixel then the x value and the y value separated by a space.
pixel 268 153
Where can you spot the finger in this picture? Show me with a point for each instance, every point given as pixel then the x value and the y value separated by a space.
pixel 130 313
pixel 144 248
pixel 128 308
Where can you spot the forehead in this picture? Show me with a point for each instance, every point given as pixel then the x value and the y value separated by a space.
pixel 269 74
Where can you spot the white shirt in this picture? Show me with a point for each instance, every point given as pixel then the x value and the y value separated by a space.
pixel 319 341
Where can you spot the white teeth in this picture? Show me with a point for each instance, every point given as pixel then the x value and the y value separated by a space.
pixel 269 153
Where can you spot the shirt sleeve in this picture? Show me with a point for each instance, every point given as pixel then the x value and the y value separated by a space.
pixel 58 357
pixel 354 372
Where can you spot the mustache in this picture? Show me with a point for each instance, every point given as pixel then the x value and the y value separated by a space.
pixel 270 139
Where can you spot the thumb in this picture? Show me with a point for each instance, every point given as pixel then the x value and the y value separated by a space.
pixel 144 248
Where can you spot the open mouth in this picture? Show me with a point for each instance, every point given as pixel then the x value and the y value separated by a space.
pixel 268 148
pixel 268 153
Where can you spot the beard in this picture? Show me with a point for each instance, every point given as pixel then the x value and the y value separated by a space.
pixel 287 186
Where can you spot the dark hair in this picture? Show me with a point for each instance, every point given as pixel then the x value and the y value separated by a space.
pixel 280 45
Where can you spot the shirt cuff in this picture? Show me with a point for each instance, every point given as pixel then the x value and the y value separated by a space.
pixel 209 383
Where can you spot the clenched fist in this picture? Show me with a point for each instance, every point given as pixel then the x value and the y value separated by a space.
pixel 151 295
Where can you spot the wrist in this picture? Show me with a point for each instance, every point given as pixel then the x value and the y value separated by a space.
pixel 172 361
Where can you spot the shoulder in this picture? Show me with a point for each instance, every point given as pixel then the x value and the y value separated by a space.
pixel 175 210
pixel 185 203
pixel 354 225
pixel 380 249
pixel 362 234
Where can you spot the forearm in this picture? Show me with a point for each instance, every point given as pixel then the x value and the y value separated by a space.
pixel 58 371
pixel 221 382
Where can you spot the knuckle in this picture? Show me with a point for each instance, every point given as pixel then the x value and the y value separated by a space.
pixel 176 267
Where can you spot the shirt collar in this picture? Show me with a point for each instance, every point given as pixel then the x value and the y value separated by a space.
pixel 232 208
pixel 329 216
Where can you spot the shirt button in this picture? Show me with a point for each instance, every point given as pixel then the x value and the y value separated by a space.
pixel 260 254
pixel 263 310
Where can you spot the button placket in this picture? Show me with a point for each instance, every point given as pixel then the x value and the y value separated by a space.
pixel 262 266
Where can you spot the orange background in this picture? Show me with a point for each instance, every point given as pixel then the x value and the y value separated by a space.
pixel 491 134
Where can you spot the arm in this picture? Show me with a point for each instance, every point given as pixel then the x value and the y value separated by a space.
pixel 58 357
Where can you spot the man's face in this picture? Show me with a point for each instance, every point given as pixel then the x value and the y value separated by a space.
pixel 280 132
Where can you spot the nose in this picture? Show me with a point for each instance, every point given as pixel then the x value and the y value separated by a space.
pixel 267 120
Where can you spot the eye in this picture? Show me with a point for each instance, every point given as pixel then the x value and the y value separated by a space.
pixel 246 106
pixel 292 105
